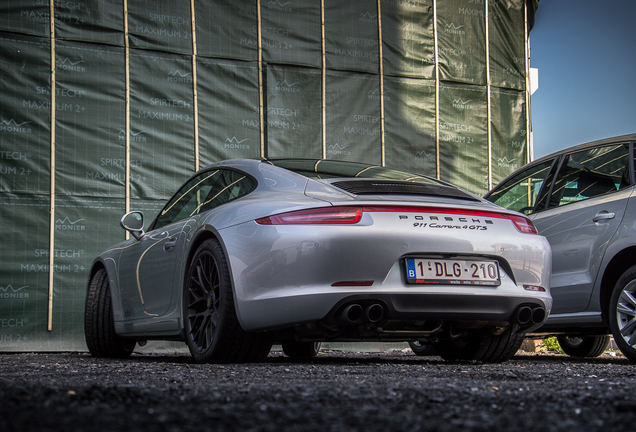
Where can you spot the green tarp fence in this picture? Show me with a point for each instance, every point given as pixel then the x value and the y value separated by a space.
pixel 444 79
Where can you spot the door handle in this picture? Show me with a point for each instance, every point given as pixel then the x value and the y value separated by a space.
pixel 170 244
pixel 603 216
pixel 159 236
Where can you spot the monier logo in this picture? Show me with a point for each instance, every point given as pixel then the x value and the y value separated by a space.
pixel 284 86
pixel 422 156
pixel 366 17
pixel 454 29
pixel 66 64
pixel 180 77
pixel 462 104
pixel 15 127
pixel 235 143
pixel 337 149
pixel 9 292
pixel 277 6
pixel 374 94
pixel 338 146
pixel 504 162
pixel 134 137
pixel 67 224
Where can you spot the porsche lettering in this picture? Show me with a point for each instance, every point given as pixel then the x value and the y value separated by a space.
pixel 448 219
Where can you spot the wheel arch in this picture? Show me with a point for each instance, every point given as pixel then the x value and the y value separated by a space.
pixel 205 233
pixel 201 236
pixel 109 265
pixel 97 265
pixel 232 344
pixel 623 260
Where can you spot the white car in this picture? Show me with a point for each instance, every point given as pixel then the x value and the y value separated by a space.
pixel 249 252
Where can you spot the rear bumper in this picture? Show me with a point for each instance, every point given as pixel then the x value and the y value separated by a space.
pixel 412 307
pixel 495 310
pixel 284 275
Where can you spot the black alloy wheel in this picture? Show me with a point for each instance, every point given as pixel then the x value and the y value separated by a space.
pixel 213 333
pixel 203 302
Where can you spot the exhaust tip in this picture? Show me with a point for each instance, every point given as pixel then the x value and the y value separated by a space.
pixel 352 313
pixel 538 315
pixel 374 313
pixel 524 315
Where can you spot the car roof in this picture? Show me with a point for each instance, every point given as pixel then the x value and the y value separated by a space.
pixel 597 143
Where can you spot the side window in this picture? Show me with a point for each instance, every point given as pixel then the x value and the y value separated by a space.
pixel 204 192
pixel 228 187
pixel 591 173
pixel 521 191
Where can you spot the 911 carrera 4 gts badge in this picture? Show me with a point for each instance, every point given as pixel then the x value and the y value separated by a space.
pixel 442 222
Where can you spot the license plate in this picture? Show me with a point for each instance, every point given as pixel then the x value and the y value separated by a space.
pixel 452 272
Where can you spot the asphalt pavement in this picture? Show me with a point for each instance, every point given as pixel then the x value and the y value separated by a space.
pixel 337 391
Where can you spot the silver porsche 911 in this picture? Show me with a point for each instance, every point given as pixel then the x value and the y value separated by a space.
pixel 293 251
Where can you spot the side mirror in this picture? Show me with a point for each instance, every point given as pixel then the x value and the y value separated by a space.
pixel 133 222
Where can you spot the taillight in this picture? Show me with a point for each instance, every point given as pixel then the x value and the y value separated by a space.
pixel 524 225
pixel 352 215
pixel 324 215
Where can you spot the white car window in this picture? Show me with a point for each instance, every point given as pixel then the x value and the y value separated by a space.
pixel 520 193
pixel 590 173
pixel 204 192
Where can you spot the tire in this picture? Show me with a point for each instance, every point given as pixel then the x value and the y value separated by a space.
pixel 213 333
pixel 301 350
pixel 583 346
pixel 489 349
pixel 622 314
pixel 99 325
pixel 422 348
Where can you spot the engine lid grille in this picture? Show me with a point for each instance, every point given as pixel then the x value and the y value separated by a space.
pixel 393 187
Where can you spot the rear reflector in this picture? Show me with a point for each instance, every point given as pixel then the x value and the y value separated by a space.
pixel 352 283
pixel 353 214
pixel 534 288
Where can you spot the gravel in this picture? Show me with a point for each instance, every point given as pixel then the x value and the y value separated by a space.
pixel 338 391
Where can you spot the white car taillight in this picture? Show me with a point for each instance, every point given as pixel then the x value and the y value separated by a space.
pixel 353 214
pixel 323 215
